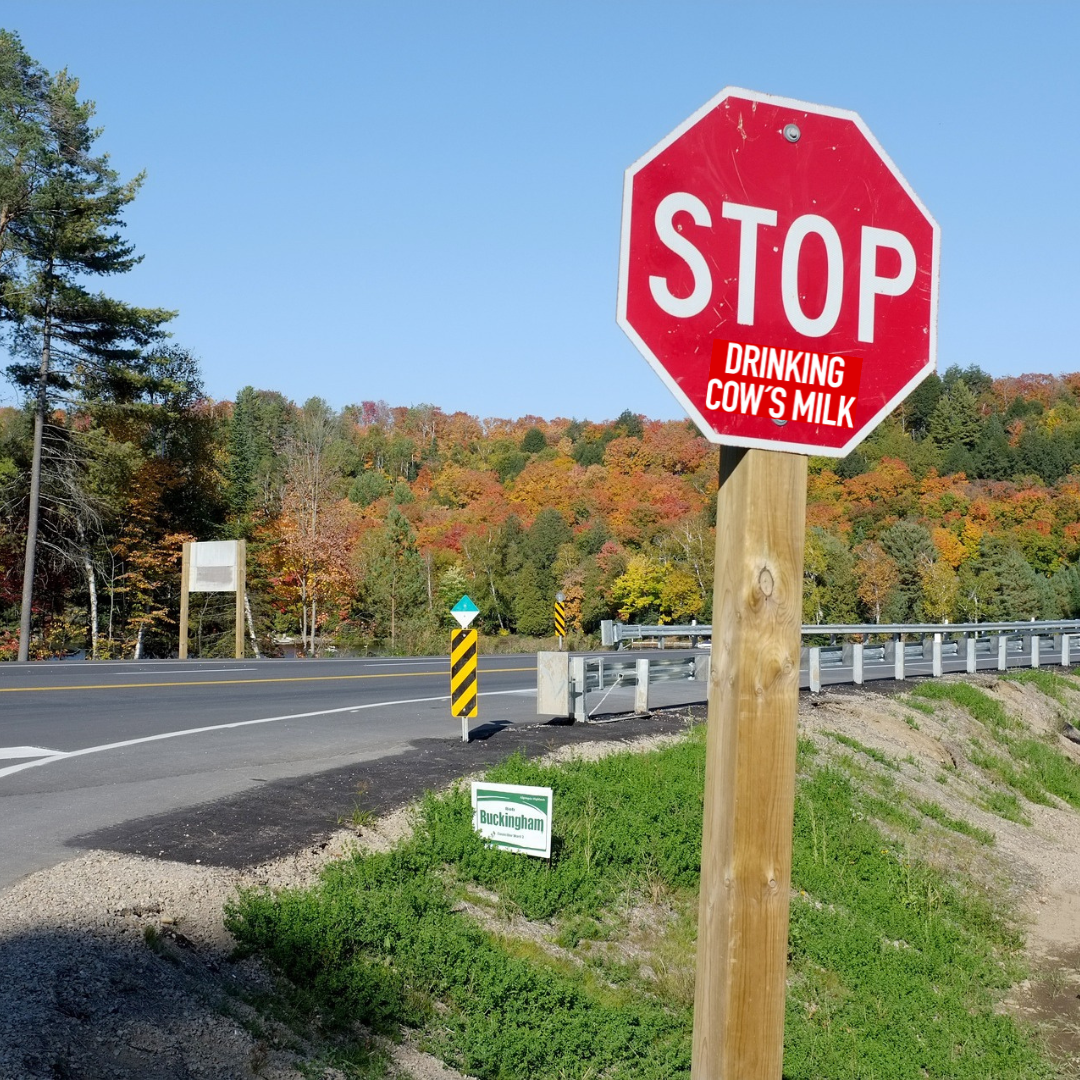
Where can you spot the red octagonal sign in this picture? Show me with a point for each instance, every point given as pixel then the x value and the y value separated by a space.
pixel 778 273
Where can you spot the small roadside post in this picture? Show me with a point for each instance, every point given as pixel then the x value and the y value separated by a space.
pixel 463 657
pixel 560 619
pixel 780 276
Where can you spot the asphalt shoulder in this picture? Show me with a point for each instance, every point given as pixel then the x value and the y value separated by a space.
pixel 278 817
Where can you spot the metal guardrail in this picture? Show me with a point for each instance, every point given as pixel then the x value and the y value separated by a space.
pixel 936 654
pixel 937 648
pixel 564 681
pixel 613 634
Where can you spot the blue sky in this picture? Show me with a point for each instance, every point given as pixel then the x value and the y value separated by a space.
pixel 420 202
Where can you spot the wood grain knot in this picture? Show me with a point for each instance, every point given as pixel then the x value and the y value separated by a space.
pixel 765 582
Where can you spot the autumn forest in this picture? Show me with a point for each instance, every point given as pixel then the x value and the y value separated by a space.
pixel 364 526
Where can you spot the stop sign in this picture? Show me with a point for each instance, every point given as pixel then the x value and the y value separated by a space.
pixel 778 273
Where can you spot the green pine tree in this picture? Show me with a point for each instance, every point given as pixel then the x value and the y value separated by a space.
pixel 61 215
pixel 993 455
pixel 908 543
pixel 534 605
pixel 955 419
pixel 242 455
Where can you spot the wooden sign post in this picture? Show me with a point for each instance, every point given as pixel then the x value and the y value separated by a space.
pixel 750 766
pixel 780 276
pixel 213 566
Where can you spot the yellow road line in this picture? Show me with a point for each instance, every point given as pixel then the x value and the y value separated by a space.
pixel 241 682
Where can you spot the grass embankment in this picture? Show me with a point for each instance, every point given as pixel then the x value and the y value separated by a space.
pixel 1030 766
pixel 895 969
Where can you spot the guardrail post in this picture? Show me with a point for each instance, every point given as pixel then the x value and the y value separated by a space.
pixel 607 632
pixel 815 669
pixel 898 659
pixel 577 686
pixel 935 651
pixel 1003 651
pixel 1034 650
pixel 703 672
pixel 857 663
pixel 1065 661
pixel 554 695
pixel 641 691
pixel 970 639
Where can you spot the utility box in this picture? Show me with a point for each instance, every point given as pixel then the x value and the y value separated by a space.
pixel 553 684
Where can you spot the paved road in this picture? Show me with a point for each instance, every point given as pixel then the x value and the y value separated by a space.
pixel 84 746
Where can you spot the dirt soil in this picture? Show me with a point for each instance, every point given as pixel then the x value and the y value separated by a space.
pixel 117 964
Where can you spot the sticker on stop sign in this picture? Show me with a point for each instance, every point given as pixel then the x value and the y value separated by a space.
pixel 778 273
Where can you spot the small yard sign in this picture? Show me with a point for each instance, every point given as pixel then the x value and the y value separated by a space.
pixel 513 817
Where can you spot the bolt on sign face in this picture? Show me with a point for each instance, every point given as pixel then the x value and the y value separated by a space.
pixel 779 274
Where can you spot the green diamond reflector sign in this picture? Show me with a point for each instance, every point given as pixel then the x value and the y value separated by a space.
pixel 464 611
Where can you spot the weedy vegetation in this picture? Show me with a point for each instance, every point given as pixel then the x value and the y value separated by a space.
pixel 1031 766
pixel 896 969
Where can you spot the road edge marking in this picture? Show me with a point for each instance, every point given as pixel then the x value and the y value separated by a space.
pixel 63 755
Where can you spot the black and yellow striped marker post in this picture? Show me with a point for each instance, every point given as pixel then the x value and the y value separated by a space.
pixel 463 677
pixel 560 618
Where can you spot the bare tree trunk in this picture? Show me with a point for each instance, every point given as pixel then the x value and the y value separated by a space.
pixel 251 627
pixel 313 622
pixel 139 641
pixel 91 584
pixel 112 599
pixel 30 560
pixel 303 613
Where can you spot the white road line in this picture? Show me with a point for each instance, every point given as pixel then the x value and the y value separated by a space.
pixel 63 755
pixel 8 752
pixel 174 671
